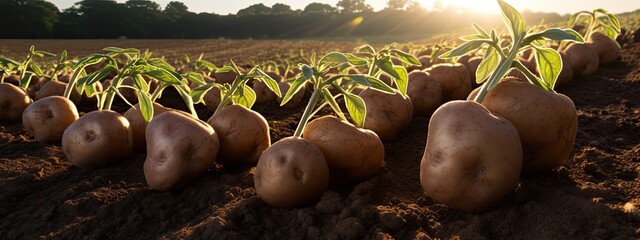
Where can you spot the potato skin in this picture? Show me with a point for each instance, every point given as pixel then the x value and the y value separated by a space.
pixel 387 114
pixel 13 101
pixel 547 122
pixel 351 153
pixel 472 67
pixel 243 135
pixel 179 150
pixel 606 48
pixel 139 125
pixel 57 88
pixel 454 79
pixel 425 93
pixel 212 99
pixel 97 139
pixel 472 158
pixel 47 118
pixel 224 77
pixel 291 173
pixel 584 60
pixel 263 93
pixel 566 74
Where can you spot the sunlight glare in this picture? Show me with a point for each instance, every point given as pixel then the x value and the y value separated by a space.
pixel 482 6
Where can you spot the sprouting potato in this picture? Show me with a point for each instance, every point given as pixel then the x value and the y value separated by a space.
pixel 291 173
pixel 294 101
pixel 47 118
pixel 179 150
pixel 606 48
pixel 13 101
pixel 425 93
pixel 454 79
pixel 243 135
pixel 584 60
pixel 97 139
pixel 387 114
pixel 472 158
pixel 57 88
pixel 547 122
pixel 224 77
pixel 212 99
pixel 351 153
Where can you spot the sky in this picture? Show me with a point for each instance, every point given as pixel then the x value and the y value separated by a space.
pixel 488 6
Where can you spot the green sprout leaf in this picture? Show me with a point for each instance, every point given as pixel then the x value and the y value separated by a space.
pixel 26 79
pixel 403 81
pixel 197 94
pixel 164 76
pixel 366 49
pixel 481 32
pixel 43 54
pixel 405 57
pixel 140 83
pixel 195 78
pixel 307 72
pixel 295 88
pixel 549 65
pixel 464 48
pixel 36 69
pixel 99 75
pixel 271 84
pixel 371 82
pixel 245 97
pixel 386 66
pixel 513 19
pixel 487 66
pixel 356 107
pixel 554 34
pixel 146 105
pixel 226 69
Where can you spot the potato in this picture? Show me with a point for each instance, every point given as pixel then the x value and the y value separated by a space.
pixel 212 99
pixel 472 67
pixel 263 93
pixel 139 125
pixel 179 150
pixel 131 94
pixel 57 88
pixel 291 173
pixel 387 114
pixel 224 77
pixel 464 60
pixel 384 77
pixel 454 79
pixel 472 158
pixel 243 135
pixel 566 74
pixel 547 122
pixel 47 118
pixel 425 93
pixel 13 79
pixel 584 60
pixel 294 102
pixel 93 100
pixel 13 101
pixel 351 153
pixel 606 48
pixel 97 139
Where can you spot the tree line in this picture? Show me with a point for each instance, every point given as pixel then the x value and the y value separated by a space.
pixel 147 19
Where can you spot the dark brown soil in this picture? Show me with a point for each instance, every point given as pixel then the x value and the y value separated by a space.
pixel 43 197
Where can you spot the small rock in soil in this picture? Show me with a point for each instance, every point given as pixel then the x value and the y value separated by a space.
pixel 350 228
pixel 392 221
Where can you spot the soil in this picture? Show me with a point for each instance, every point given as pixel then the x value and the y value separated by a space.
pixel 595 195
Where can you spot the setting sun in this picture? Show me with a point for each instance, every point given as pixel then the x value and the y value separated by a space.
pixel 482 6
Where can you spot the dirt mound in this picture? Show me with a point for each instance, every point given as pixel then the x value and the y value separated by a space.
pixel 595 195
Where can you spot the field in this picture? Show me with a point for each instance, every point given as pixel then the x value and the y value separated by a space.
pixel 595 195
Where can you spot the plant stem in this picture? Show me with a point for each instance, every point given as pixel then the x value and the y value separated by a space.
pixel 115 82
pixel 227 98
pixel 505 63
pixel 532 78
pixel 2 77
pixel 72 82
pixel 315 96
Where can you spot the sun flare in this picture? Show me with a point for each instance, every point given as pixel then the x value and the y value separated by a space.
pixel 482 6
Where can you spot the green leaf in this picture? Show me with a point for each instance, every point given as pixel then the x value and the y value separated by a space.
pixel 194 78
pixel 386 66
pixel 63 56
pixel 403 81
pixel 614 21
pixel 271 84
pixel 366 49
pixel 36 69
pixel 328 97
pixel 610 32
pixel 487 66
pixel 356 107
pixel 464 48
pixel 90 90
pixel 307 72
pixel 549 65
pixel 197 94
pixel 513 20
pixel 24 82
pixel 405 57
pixel 164 76
pixel 471 37
pixel 99 75
pixel 245 97
pixel 481 32
pixel 355 61
pixel 112 49
pixel 554 34
pixel 47 54
pixel 226 69
pixel 296 86
pixel 574 18
pixel 161 63
pixel 371 82
pixel 333 58
pixel 140 83
pixel 146 105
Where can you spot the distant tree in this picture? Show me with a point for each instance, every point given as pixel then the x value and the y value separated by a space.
pixel 318 8
pixel 398 4
pixel 175 9
pixel 142 5
pixel 281 9
pixel 255 9
pixel 27 18
pixel 354 6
